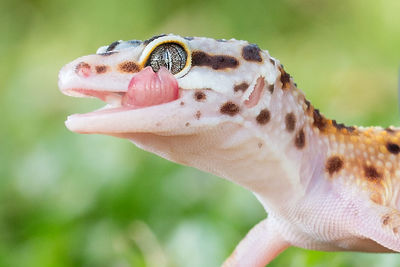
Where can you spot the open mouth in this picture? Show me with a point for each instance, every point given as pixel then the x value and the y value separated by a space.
pixel 145 89
pixel 111 98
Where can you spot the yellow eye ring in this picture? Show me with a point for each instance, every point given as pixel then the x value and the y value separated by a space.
pixel 169 39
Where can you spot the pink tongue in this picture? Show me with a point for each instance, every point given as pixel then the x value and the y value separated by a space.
pixel 148 88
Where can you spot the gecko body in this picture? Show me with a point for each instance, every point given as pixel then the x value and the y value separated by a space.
pixel 228 108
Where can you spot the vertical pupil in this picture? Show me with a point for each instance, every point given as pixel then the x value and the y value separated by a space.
pixel 171 56
pixel 167 60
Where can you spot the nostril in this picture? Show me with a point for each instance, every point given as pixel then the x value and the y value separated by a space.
pixel 83 69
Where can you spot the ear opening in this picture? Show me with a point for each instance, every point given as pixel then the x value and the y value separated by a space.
pixel 255 95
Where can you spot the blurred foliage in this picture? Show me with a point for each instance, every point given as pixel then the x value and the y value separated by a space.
pixel 70 200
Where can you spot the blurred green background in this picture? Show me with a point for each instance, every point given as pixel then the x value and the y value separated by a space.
pixel 86 200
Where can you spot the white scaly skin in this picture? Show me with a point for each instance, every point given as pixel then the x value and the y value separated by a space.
pixel 324 186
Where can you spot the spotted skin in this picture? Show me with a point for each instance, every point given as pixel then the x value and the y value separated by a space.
pixel 252 53
pixel 284 78
pixel 128 67
pixel 290 122
pixel 393 148
pixel 334 164
pixel 230 108
pixel 101 69
pixel 239 115
pixel 241 87
pixel 200 96
pixel 217 62
pixel 263 117
pixel 300 139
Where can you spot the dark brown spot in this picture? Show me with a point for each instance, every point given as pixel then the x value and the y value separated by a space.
pixel 101 69
pixel 230 109
pixel 112 46
pixel 300 139
pixel 146 42
pixel 82 65
pixel 285 78
pixel 338 126
pixel 271 88
pixel 390 130
pixel 393 148
pixel 263 117
pixel 290 121
pixel 129 67
pixel 386 219
pixel 371 173
pixel 319 120
pixel 252 52
pixel 200 96
pixel 341 126
pixel 308 104
pixel 260 145
pixel 182 103
pixel 272 61
pixel 334 164
pixel 241 87
pixel 198 115
pixel 187 124
pixel 218 62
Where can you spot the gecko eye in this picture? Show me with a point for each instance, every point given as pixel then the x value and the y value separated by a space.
pixel 169 55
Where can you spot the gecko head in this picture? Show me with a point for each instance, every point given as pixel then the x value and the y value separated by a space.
pixel 169 85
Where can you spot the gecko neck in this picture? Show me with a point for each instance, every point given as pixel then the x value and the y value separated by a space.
pixel 287 156
pixel 281 159
pixel 268 157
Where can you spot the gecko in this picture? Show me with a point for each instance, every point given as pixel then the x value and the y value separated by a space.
pixel 228 108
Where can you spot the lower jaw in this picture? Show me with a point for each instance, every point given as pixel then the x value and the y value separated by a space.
pixel 113 120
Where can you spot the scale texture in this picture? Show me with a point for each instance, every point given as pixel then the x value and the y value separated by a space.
pixel 239 115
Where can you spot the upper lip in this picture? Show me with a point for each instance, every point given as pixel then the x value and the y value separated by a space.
pixel 106 88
